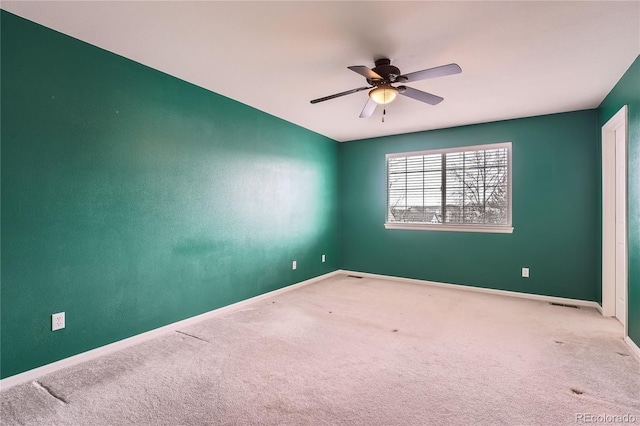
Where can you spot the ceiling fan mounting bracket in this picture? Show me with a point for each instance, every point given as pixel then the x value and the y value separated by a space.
pixel 382 61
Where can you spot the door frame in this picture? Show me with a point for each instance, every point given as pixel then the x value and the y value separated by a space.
pixel 617 122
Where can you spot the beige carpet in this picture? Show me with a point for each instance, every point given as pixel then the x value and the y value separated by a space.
pixel 348 351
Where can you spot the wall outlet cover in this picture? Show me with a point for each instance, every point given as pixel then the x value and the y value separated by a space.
pixel 525 272
pixel 57 321
pixel 295 265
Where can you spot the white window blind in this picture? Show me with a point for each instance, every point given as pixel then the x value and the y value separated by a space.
pixel 468 188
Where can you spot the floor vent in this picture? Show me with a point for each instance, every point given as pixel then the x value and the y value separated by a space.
pixel 354 276
pixel 564 304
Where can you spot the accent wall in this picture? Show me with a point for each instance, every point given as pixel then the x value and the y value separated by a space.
pixel 627 92
pixel 132 199
pixel 555 203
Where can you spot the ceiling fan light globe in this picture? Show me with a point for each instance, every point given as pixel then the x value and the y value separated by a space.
pixel 383 94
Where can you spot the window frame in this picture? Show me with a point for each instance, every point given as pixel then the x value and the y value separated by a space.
pixel 505 229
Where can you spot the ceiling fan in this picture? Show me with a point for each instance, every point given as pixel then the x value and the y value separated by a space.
pixel 381 78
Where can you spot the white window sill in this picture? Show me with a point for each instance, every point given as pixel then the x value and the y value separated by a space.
pixel 456 228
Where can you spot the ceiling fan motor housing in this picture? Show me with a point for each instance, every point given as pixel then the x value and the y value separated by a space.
pixel 384 69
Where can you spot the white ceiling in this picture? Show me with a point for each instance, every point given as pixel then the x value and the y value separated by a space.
pixel 518 58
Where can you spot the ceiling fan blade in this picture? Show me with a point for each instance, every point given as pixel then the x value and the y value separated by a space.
pixel 337 95
pixel 368 109
pixel 366 72
pixel 419 95
pixel 431 73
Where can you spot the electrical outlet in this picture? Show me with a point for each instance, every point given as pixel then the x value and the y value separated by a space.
pixel 57 321
pixel 323 258
pixel 525 272
pixel 295 265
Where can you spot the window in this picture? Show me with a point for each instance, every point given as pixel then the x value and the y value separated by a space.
pixel 459 189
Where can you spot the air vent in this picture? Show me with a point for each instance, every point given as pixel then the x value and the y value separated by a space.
pixel 565 305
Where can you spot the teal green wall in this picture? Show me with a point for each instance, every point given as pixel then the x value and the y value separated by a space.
pixel 555 210
pixel 132 199
pixel 627 92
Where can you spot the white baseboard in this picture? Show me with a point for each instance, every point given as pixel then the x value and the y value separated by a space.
pixel 634 348
pixel 33 374
pixel 563 300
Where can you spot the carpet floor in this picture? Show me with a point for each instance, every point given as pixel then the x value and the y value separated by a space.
pixel 348 351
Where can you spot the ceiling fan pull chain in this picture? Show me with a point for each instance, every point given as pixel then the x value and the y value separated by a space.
pixel 384 110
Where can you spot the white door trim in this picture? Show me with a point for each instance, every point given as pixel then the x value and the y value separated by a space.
pixel 617 122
